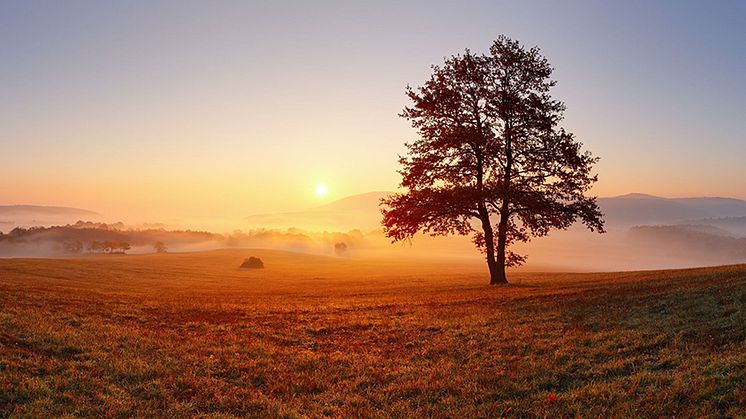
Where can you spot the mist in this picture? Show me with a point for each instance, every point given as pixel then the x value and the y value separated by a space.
pixel 643 232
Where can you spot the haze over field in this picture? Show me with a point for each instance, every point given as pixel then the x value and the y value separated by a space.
pixel 644 232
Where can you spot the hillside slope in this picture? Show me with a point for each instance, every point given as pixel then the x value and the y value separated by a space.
pixel 637 209
pixel 36 215
pixel 363 212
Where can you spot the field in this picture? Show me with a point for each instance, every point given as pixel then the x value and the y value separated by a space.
pixel 192 335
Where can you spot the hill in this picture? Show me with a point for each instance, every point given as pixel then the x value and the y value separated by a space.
pixel 79 238
pixel 192 335
pixel 354 212
pixel 640 209
pixel 362 212
pixel 702 244
pixel 734 225
pixel 36 215
pixel 46 210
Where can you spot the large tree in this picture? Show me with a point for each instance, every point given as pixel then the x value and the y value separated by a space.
pixel 490 150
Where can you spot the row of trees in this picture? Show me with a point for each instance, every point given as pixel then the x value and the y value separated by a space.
pixel 106 246
pixel 95 246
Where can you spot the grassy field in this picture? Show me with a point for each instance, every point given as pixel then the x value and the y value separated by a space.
pixel 192 335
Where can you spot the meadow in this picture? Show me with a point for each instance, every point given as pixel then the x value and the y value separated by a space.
pixel 190 334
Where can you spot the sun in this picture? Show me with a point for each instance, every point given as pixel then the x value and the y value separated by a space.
pixel 321 190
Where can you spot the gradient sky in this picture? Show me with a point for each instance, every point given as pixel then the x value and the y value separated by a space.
pixel 149 110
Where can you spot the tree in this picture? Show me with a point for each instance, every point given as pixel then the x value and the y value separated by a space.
pixel 95 246
pixel 490 149
pixel 123 246
pixel 110 245
pixel 160 247
pixel 340 248
pixel 252 263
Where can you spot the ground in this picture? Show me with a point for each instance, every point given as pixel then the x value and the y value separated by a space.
pixel 193 335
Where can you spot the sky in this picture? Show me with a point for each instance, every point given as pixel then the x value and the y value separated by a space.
pixel 148 110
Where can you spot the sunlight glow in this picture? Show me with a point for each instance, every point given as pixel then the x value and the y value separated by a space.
pixel 321 190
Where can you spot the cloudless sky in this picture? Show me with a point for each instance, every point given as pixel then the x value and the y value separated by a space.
pixel 153 109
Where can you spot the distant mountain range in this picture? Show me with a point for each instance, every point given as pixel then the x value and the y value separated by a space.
pixel 644 231
pixel 45 210
pixel 362 212
pixel 733 225
pixel 36 215
pixel 641 209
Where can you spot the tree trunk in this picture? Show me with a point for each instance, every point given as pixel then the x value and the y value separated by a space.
pixel 502 227
pixel 502 238
pixel 489 244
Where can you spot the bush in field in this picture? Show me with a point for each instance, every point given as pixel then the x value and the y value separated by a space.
pixel 340 249
pixel 252 263
pixel 160 247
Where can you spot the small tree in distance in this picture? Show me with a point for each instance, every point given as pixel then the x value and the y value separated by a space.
pixel 490 146
pixel 340 248
pixel 123 247
pixel 95 246
pixel 110 246
pixel 160 247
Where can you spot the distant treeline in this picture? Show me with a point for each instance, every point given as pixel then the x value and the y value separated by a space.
pixel 95 246
pixel 89 237
pixel 734 225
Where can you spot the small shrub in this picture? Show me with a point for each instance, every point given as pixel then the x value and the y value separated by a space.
pixel 252 263
pixel 340 249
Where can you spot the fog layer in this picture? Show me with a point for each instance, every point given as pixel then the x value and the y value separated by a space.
pixel 644 232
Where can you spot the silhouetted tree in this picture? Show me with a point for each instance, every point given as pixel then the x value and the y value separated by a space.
pixel 252 263
pixel 95 246
pixel 160 247
pixel 17 232
pixel 340 248
pixel 489 146
pixel 110 245
pixel 123 246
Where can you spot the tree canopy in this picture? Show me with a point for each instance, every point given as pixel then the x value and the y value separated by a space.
pixel 490 148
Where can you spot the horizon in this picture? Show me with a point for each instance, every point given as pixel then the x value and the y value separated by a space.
pixel 342 198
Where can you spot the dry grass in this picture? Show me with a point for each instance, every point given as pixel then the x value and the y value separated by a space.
pixel 191 334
